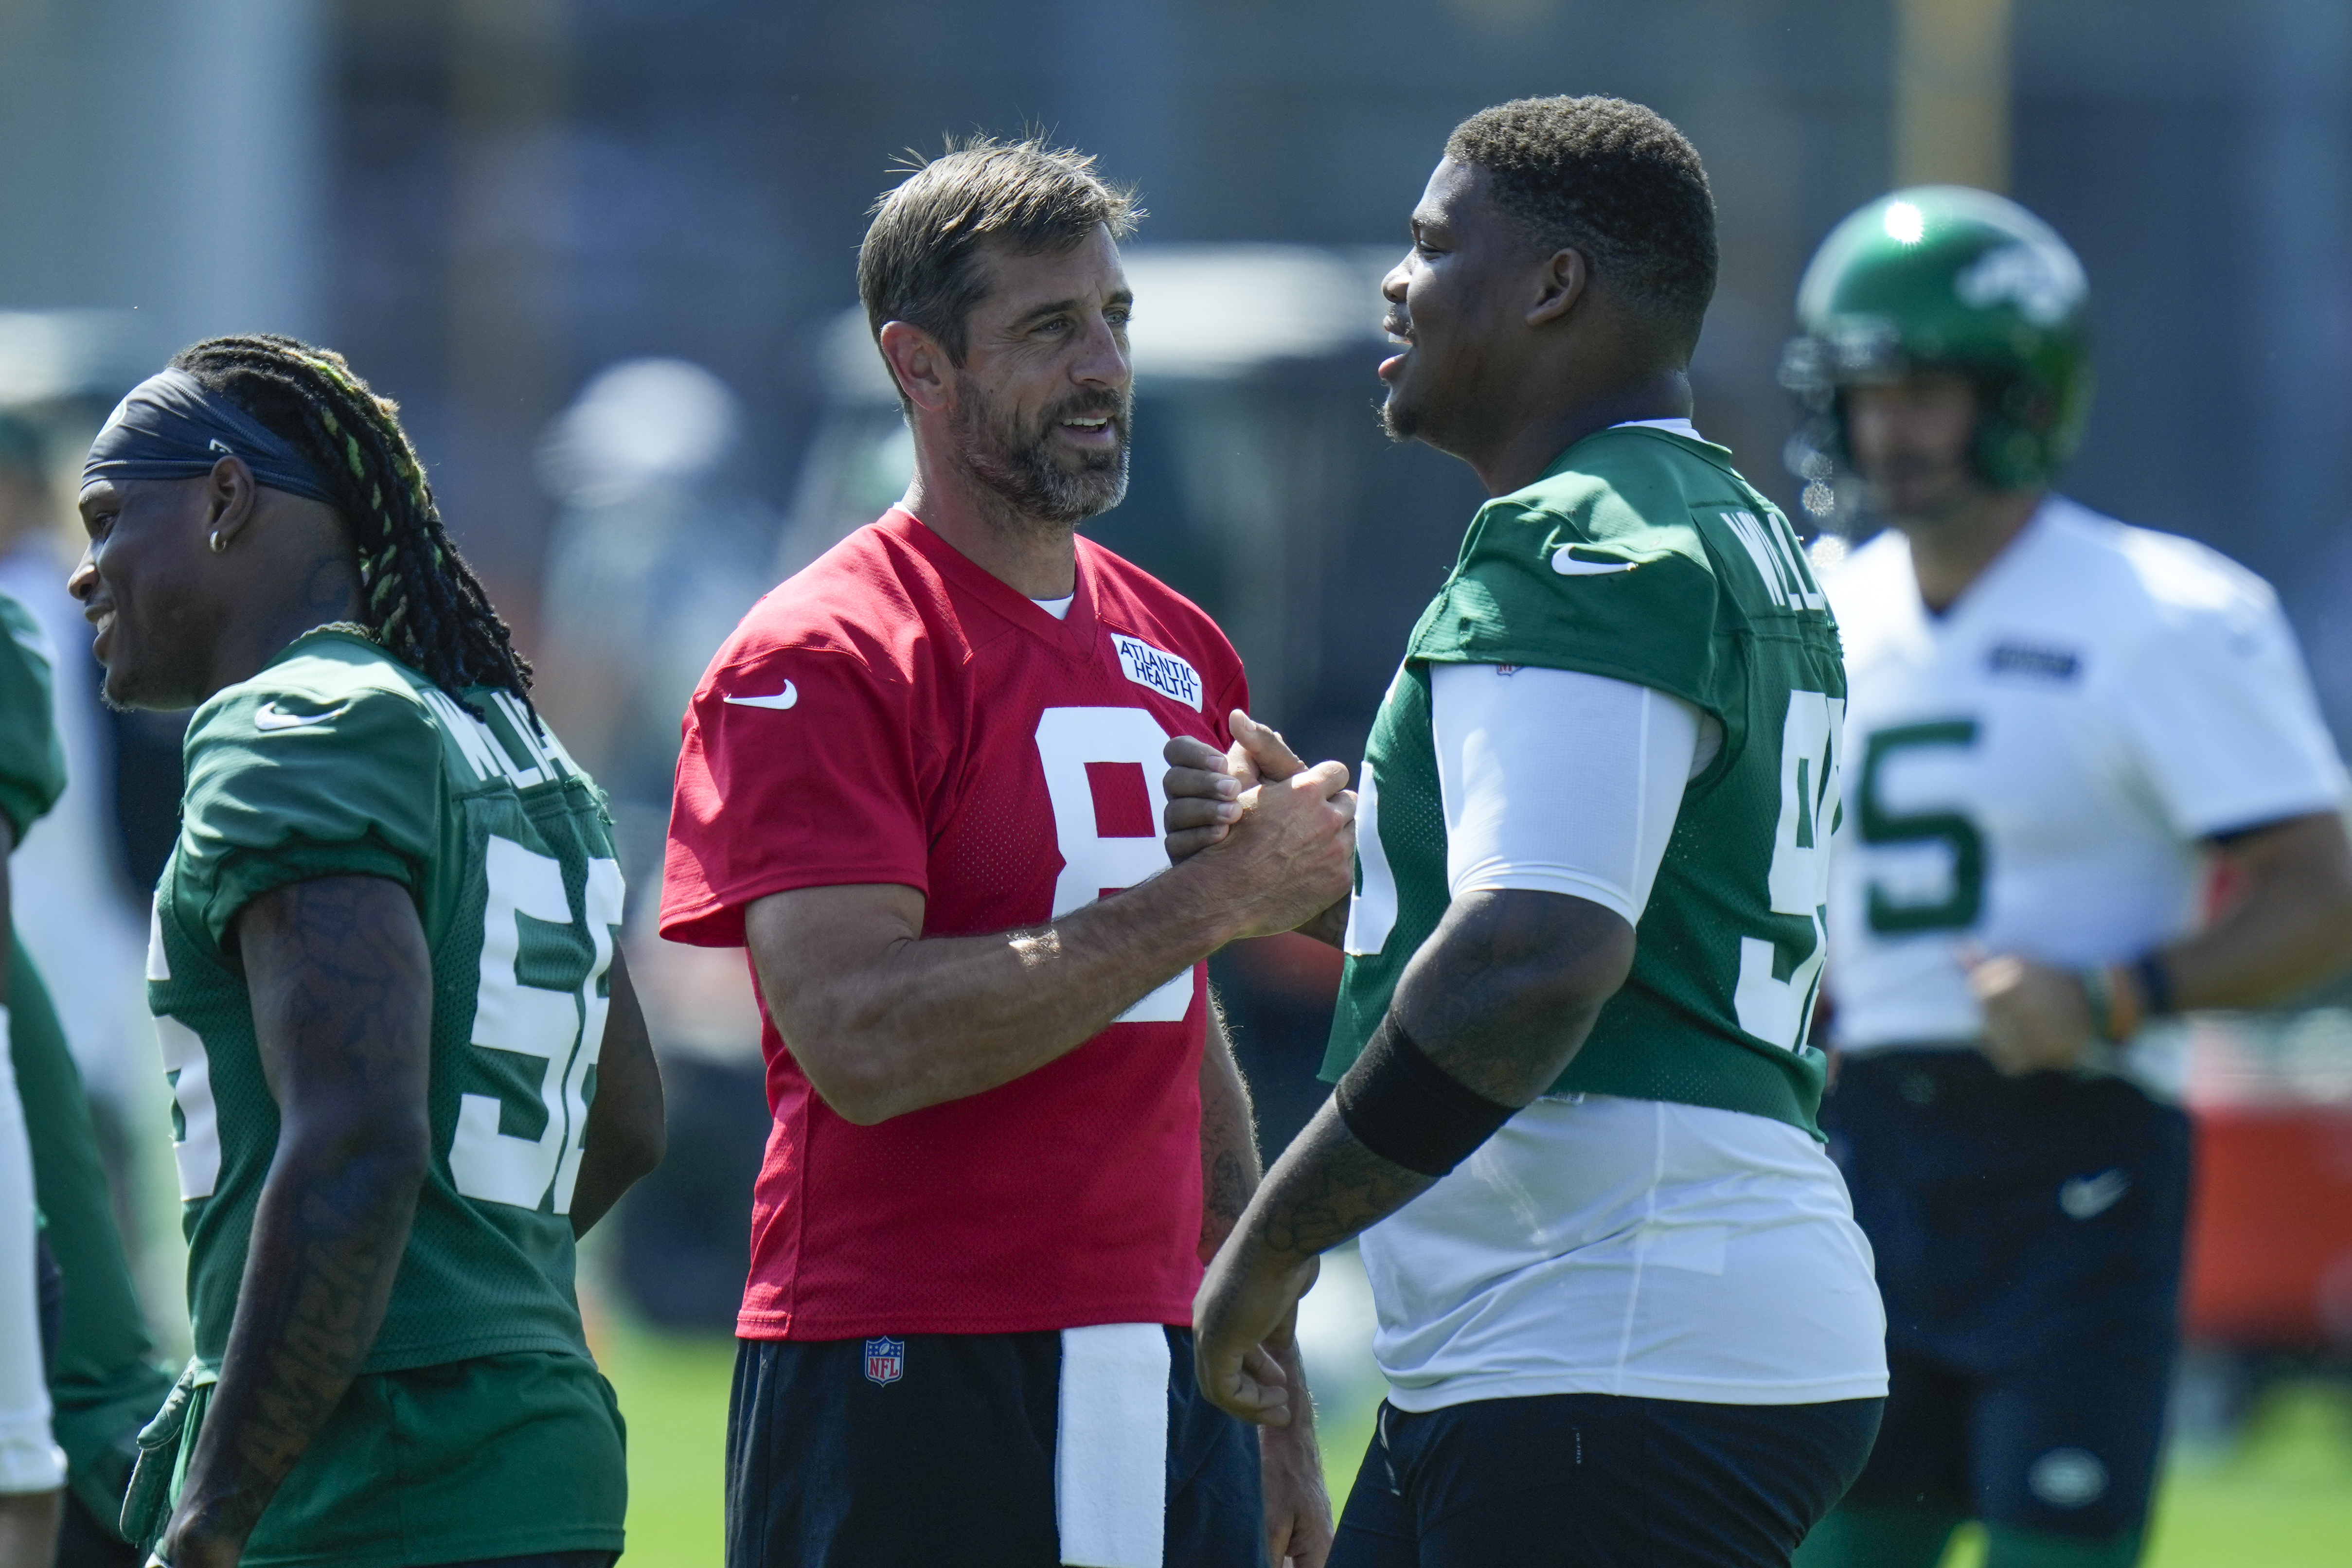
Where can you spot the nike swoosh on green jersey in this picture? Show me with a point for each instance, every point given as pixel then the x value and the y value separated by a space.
pixel 269 715
pixel 1568 565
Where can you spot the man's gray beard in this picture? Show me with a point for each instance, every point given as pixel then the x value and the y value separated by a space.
pixel 1024 474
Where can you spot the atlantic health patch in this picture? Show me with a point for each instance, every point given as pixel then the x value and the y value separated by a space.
pixel 1164 672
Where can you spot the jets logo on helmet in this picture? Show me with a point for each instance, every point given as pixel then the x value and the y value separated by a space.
pixel 1946 278
pixel 2044 282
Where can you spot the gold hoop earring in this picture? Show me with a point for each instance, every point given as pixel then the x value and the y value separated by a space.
pixel 220 546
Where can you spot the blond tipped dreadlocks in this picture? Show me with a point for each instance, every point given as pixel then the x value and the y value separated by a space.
pixel 418 597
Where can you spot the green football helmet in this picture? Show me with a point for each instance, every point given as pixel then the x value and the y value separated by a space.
pixel 1947 278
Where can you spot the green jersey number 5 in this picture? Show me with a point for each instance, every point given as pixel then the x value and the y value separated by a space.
pixel 1964 901
pixel 1774 998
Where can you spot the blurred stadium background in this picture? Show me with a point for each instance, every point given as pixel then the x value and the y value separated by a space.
pixel 601 252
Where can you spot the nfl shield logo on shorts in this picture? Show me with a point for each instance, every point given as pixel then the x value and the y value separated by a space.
pixel 886 1360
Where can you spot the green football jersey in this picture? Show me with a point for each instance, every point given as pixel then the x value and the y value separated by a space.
pixel 337 759
pixel 1643 556
pixel 103 1382
pixel 32 760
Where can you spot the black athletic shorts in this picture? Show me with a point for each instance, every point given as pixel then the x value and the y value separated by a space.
pixel 951 1461
pixel 2028 1234
pixel 1596 1481
pixel 83 1543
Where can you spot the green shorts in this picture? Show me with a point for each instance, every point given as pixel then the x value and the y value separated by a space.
pixel 503 1455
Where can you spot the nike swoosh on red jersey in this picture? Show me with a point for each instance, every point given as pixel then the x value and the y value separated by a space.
pixel 785 698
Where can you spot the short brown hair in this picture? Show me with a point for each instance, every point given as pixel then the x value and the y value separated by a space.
pixel 1611 179
pixel 920 261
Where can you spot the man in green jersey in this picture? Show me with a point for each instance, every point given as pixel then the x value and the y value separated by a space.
pixel 407 1065
pixel 102 1381
pixel 1624 1311
pixel 32 1466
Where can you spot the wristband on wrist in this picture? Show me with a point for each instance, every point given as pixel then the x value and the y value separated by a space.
pixel 1410 1112
pixel 2112 993
pixel 2155 984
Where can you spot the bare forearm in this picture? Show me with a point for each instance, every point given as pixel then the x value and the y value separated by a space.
pixel 1060 983
pixel 1284 1346
pixel 341 984
pixel 1327 1188
pixel 886 1021
pixel 327 1242
pixel 1500 998
pixel 2292 928
pixel 944 1019
pixel 1330 927
pixel 628 1132
pixel 2254 963
pixel 28 1529
pixel 1229 1157
pixel 606 1175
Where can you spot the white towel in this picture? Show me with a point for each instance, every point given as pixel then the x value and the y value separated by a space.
pixel 1111 1455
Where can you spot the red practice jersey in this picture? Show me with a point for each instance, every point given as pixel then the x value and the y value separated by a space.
pixel 896 715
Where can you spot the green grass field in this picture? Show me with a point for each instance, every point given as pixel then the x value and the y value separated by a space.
pixel 2283 1499
pixel 674 1396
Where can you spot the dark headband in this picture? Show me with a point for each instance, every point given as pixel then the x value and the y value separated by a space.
pixel 171 428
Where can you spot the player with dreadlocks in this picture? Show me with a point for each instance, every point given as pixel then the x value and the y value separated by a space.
pixel 418 597
pixel 406 1067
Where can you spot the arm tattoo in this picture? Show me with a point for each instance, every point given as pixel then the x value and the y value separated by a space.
pixel 1504 994
pixel 342 987
pixel 1500 996
pixel 1325 1188
pixel 1229 1159
pixel 1226 1187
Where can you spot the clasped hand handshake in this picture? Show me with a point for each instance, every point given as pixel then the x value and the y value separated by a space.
pixel 1280 836
pixel 1290 832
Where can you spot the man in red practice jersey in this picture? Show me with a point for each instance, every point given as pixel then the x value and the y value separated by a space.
pixel 1008 1129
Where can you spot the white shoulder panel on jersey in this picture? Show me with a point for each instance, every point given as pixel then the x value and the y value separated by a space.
pixel 2197 663
pixel 2036 770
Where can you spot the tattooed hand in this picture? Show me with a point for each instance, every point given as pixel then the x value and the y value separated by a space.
pixel 1325 1188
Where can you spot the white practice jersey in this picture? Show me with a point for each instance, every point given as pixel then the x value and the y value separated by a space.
pixel 2037 770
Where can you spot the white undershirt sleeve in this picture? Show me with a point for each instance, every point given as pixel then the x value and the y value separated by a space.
pixel 30 1461
pixel 1558 782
